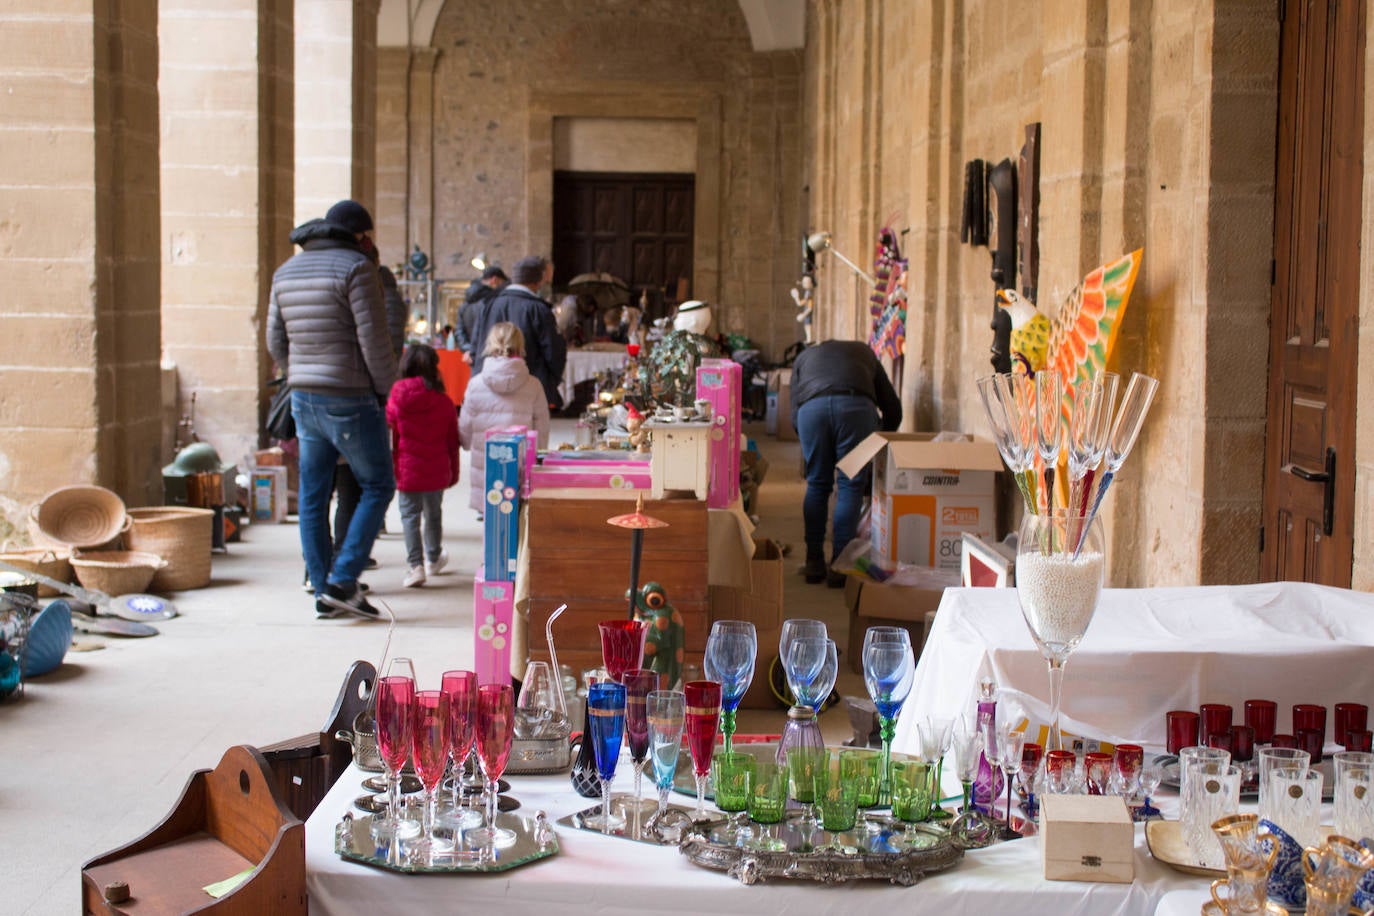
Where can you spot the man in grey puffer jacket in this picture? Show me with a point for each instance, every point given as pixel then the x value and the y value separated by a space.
pixel 327 330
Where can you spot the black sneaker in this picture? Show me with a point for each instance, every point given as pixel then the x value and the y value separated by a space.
pixel 349 601
pixel 834 579
pixel 325 612
pixel 814 571
pixel 371 563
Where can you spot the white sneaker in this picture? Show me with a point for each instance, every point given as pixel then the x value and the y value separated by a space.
pixel 415 578
pixel 437 565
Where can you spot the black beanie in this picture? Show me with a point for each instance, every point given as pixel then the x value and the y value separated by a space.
pixel 352 215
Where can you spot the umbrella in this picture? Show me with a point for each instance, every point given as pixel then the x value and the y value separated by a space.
pixel 607 289
pixel 636 521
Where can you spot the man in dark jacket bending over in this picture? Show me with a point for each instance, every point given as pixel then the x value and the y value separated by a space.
pixel 327 329
pixel 838 391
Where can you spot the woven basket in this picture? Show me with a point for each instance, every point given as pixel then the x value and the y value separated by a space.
pixel 180 535
pixel 80 516
pixel 55 563
pixel 116 572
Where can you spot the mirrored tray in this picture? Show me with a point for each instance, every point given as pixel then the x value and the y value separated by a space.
pixel 877 849
pixel 640 829
pixel 534 840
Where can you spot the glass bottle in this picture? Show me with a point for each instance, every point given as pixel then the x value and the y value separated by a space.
pixel 988 784
pixel 585 780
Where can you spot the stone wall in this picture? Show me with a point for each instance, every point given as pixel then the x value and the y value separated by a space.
pixel 506 71
pixel 79 244
pixel 1157 130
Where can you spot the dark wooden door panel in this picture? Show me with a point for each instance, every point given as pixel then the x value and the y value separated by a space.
pixel 637 227
pixel 1309 462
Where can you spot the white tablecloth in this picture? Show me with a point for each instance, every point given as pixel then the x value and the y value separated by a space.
pixel 1149 651
pixel 610 877
pixel 585 364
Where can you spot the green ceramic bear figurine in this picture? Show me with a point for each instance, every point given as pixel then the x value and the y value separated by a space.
pixel 666 640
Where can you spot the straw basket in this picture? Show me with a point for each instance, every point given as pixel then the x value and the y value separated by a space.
pixel 80 516
pixel 116 572
pixel 180 535
pixel 53 562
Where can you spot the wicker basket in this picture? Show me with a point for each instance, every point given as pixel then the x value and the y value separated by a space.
pixel 53 562
pixel 180 535
pixel 116 572
pixel 80 516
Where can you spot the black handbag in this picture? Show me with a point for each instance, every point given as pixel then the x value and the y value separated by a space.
pixel 281 423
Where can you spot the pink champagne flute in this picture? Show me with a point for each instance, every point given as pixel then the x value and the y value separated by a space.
pixel 638 684
pixel 461 688
pixel 701 722
pixel 395 703
pixel 429 747
pixel 495 727
pixel 622 646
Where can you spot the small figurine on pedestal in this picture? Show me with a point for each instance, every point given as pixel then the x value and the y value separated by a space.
pixel 803 294
pixel 664 646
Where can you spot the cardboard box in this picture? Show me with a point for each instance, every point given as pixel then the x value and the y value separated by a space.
pixel 493 615
pixel 267 494
pixel 1086 838
pixel 927 494
pixel 872 604
pixel 780 403
pixel 721 381
pixel 506 455
pixel 761 603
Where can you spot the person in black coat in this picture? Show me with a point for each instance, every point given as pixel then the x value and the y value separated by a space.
pixel 546 352
pixel 484 289
pixel 840 396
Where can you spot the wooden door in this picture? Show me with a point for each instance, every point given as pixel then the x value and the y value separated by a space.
pixel 637 227
pixel 1309 482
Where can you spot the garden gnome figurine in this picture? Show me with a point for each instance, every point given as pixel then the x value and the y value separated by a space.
pixel 663 648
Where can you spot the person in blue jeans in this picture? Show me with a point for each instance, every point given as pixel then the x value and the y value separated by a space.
pixel 840 396
pixel 327 330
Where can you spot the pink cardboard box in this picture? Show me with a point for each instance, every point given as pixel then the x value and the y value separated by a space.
pixel 721 381
pixel 493 610
pixel 622 477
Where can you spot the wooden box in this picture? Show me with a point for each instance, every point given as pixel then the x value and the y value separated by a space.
pixel 227 820
pixel 1087 838
pixel 575 557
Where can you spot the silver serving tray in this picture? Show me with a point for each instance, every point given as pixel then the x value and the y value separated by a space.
pixel 534 840
pixel 642 829
pixel 875 850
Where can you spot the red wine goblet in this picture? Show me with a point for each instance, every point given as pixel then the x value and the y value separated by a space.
pixel 701 722
pixel 622 646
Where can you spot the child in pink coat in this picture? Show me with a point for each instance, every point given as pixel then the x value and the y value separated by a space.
pixel 424 434
pixel 502 394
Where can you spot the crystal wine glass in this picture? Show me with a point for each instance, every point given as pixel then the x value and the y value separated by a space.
pixel 665 709
pixel 1049 425
pixel 971 829
pixel 495 728
pixel 701 719
pixel 815 690
pixel 606 730
pixel 1151 775
pixel 935 734
pixel 622 646
pixel 889 671
pixel 1004 431
pixel 1058 588
pixel 1089 426
pixel 730 653
pixel 639 683
pixel 461 688
pixel 1010 743
pixel 794 629
pixel 1031 754
pixel 1126 426
pixel 395 717
pixel 429 753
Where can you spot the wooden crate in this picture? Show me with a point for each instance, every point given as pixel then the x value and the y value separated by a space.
pixel 227 820
pixel 578 559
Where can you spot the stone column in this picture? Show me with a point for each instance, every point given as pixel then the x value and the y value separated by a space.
pixel 336 104
pixel 405 151
pixel 226 88
pixel 79 244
